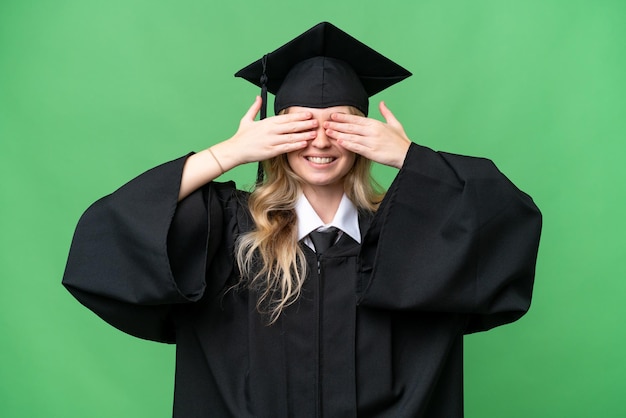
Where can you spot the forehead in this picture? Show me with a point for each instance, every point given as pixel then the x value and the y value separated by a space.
pixel 323 112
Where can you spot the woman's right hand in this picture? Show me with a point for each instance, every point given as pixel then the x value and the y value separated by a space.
pixel 254 141
pixel 260 140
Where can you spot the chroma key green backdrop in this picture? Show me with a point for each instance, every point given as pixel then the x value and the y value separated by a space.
pixel 94 92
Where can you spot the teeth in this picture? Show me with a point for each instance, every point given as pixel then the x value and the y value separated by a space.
pixel 320 160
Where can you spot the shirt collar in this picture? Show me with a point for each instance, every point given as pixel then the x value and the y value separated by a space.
pixel 346 218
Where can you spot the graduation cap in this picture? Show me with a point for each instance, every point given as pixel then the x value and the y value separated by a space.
pixel 323 67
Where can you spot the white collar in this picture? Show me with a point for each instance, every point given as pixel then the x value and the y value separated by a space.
pixel 346 218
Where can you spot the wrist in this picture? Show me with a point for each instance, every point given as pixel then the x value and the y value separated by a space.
pixel 402 155
pixel 224 157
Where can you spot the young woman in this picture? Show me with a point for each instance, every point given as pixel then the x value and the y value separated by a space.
pixel 270 321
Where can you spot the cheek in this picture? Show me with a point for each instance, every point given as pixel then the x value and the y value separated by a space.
pixel 294 163
pixel 291 158
pixel 350 159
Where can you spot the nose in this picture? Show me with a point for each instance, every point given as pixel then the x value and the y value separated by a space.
pixel 321 140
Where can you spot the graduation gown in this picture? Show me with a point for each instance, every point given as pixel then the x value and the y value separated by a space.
pixel 378 330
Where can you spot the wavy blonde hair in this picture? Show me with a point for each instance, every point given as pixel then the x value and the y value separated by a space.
pixel 269 257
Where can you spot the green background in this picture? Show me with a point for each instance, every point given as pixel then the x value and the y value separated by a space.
pixel 94 92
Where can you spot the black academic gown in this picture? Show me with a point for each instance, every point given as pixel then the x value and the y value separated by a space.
pixel 378 330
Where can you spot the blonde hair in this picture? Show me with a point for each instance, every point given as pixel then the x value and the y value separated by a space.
pixel 269 258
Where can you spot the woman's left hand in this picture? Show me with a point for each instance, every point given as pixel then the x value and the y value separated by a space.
pixel 384 143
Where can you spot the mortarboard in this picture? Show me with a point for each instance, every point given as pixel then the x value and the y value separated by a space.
pixel 323 67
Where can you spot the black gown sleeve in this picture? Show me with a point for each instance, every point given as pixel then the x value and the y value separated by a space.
pixel 453 235
pixel 137 253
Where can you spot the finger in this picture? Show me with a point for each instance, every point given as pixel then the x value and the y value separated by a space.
pixel 293 117
pixel 354 146
pixel 290 143
pixel 347 138
pixel 347 128
pixel 386 113
pixel 253 110
pixel 283 130
pixel 298 126
pixel 347 118
pixel 291 138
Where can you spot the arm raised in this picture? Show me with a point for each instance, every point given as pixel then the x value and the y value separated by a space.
pixel 254 141
pixel 384 143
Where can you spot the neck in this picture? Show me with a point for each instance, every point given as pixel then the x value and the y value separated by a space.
pixel 324 200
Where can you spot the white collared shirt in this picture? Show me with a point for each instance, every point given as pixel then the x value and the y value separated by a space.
pixel 346 219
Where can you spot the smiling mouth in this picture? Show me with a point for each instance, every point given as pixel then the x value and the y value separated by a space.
pixel 321 160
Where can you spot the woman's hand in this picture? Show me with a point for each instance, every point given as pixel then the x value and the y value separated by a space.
pixel 267 138
pixel 253 141
pixel 384 143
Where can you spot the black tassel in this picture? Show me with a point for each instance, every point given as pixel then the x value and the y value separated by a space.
pixel 264 88
pixel 260 173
